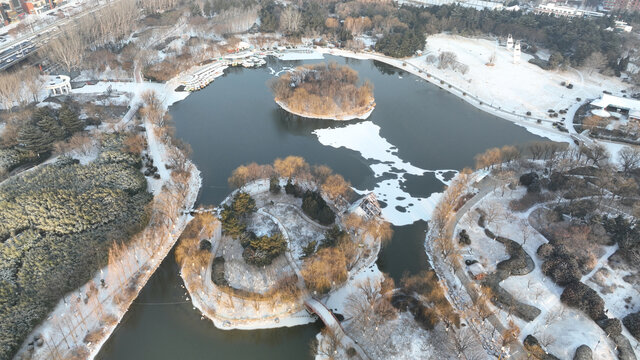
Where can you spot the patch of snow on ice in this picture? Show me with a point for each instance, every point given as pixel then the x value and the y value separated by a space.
pixel 364 137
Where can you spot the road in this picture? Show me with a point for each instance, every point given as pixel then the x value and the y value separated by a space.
pixel 37 38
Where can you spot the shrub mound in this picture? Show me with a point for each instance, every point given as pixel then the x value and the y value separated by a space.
pixel 632 323
pixel 584 298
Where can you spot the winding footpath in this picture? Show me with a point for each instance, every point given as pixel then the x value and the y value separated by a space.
pixel 485 186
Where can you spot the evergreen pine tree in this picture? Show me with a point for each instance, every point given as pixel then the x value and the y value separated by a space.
pixel 69 120
pixel 34 139
pixel 40 113
pixel 48 124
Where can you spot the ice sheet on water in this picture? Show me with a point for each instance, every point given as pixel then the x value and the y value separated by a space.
pixel 364 137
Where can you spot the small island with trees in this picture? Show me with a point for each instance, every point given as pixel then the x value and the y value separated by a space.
pixel 324 91
pixel 287 235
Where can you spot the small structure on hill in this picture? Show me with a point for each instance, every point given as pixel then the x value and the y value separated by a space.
pixel 516 53
pixel 59 85
pixel 368 207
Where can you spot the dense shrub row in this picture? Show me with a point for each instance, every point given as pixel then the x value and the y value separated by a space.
pixel 56 224
pixel 582 297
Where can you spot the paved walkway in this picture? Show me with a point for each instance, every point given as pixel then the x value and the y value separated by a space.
pixel 287 253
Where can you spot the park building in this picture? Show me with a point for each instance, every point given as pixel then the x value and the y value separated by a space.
pixel 59 85
pixel 568 11
pixel 609 105
pixel 620 26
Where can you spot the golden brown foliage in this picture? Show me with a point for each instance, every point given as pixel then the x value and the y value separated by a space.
pixel 323 90
pixel 335 186
pixel 202 226
pixel 251 172
pixel 327 268
pixel 290 166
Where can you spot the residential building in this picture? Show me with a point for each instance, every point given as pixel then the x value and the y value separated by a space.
pixel 11 10
pixel 628 5
pixel 35 6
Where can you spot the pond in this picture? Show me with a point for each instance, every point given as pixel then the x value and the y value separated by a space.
pixel 416 130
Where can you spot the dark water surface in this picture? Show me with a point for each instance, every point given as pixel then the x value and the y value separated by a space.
pixel 235 121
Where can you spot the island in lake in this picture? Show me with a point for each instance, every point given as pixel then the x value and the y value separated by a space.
pixel 287 243
pixel 324 91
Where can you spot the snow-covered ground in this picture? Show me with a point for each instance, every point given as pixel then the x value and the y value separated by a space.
pixel 559 328
pixel 518 86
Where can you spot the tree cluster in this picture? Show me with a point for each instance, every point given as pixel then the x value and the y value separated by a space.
pixel 57 223
pixel 323 90
pixel 312 204
pixel 234 216
pixel 31 138
pixel 261 250
pixel 298 172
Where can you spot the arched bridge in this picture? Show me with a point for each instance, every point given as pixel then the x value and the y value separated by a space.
pixel 331 322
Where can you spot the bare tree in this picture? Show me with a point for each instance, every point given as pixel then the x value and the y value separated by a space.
pixel 629 159
pixel 447 59
pixel 66 49
pixel 536 149
pixel 328 347
pixel 596 154
pixel 290 20
pixel 33 82
pixel 9 82
pixel 595 61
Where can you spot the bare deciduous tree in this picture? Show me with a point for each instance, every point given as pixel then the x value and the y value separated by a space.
pixel 629 159
pixel 595 61
pixel 67 49
pixel 290 20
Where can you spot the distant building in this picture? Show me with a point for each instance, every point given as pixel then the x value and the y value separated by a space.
pixel 476 4
pixel 628 5
pixel 620 26
pixel 624 106
pixel 568 11
pixel 11 10
pixel 35 6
